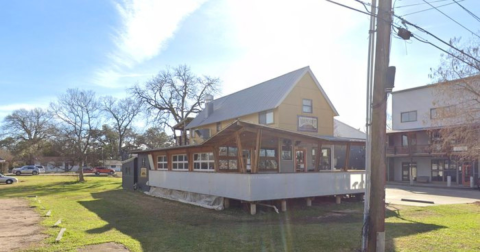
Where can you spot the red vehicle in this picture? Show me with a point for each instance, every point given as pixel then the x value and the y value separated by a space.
pixel 99 170
pixel 87 170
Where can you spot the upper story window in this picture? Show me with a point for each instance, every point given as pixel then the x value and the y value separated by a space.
pixel 410 139
pixel 203 133
pixel 410 116
pixel 443 112
pixel 307 106
pixel 219 126
pixel 162 163
pixel 265 117
pixel 180 162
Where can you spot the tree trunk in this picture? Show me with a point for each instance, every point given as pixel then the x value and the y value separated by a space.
pixel 80 172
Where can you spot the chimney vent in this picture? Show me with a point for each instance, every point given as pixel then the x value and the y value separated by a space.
pixel 208 105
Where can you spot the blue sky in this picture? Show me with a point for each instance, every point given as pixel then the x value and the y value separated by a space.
pixel 108 46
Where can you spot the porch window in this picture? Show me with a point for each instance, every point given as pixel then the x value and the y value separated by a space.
pixel 265 117
pixel 180 162
pixel 162 163
pixel 268 159
pixel 307 106
pixel 227 158
pixel 203 161
pixel 326 157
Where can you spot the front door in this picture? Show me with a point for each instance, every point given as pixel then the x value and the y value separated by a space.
pixel 467 172
pixel 300 160
pixel 406 168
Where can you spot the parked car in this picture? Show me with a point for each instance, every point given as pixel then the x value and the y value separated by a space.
pixel 7 180
pixel 41 169
pixel 87 170
pixel 99 170
pixel 27 169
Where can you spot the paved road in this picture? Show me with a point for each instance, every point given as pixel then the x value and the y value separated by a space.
pixel 440 196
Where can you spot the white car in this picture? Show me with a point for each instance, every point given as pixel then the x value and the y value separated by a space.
pixel 28 169
pixel 7 180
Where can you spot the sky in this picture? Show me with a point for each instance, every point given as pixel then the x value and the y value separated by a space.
pixel 108 46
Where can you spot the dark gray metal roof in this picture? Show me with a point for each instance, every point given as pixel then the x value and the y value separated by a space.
pixel 261 97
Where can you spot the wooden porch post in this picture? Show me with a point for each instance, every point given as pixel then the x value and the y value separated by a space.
pixel 319 153
pixel 190 160
pixel 279 152
pixel 240 152
pixel 258 145
pixel 215 156
pixel 347 157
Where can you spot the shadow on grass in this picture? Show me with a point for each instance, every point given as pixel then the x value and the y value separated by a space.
pixel 162 225
pixel 49 188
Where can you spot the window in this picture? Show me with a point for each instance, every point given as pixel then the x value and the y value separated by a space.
pixel 203 161
pixel 219 126
pixel 265 117
pixel 307 106
pixel 162 162
pixel 180 162
pixel 268 159
pixel 227 159
pixel 409 116
pixel 203 133
pixel 410 139
pixel 443 112
pixel 287 152
pixel 326 157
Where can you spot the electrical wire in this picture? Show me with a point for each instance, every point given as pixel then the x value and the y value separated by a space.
pixel 404 21
pixel 468 11
pixel 443 50
pixel 410 5
pixel 439 39
pixel 451 18
pixel 428 9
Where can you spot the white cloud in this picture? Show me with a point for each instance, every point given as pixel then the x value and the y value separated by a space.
pixel 147 25
pixel 281 36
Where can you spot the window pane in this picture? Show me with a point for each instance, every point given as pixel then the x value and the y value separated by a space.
pixel 232 164
pixel 270 153
pixel 232 151
pixel 196 165
pixel 307 102
pixel 269 119
pixel 195 157
pixel 223 164
pixel 204 156
pixel 262 118
pixel 174 158
pixel 222 151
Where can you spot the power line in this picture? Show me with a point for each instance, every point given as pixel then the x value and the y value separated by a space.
pixel 410 5
pixel 469 12
pixel 418 37
pixel 429 8
pixel 433 35
pixel 443 50
pixel 451 19
pixel 404 21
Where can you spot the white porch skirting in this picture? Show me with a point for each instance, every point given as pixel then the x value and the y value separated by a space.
pixel 197 199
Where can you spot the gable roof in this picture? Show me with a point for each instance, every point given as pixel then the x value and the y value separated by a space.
pixel 261 97
pixel 342 129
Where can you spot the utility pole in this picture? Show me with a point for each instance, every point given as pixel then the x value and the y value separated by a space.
pixel 376 224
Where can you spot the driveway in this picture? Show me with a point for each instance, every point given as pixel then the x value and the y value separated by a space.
pixel 20 227
pixel 440 196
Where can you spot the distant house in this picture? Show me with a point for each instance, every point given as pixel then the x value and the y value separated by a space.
pixel 114 164
pixel 272 141
pixel 415 152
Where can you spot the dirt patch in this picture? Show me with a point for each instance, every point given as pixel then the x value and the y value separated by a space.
pixel 20 225
pixel 108 247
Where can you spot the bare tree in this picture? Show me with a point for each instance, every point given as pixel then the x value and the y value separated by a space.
pixel 174 94
pixel 79 112
pixel 29 129
pixel 122 113
pixel 456 109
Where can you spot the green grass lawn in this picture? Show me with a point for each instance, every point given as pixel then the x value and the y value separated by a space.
pixel 99 211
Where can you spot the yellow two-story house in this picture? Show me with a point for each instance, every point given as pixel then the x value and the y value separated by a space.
pixel 272 141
